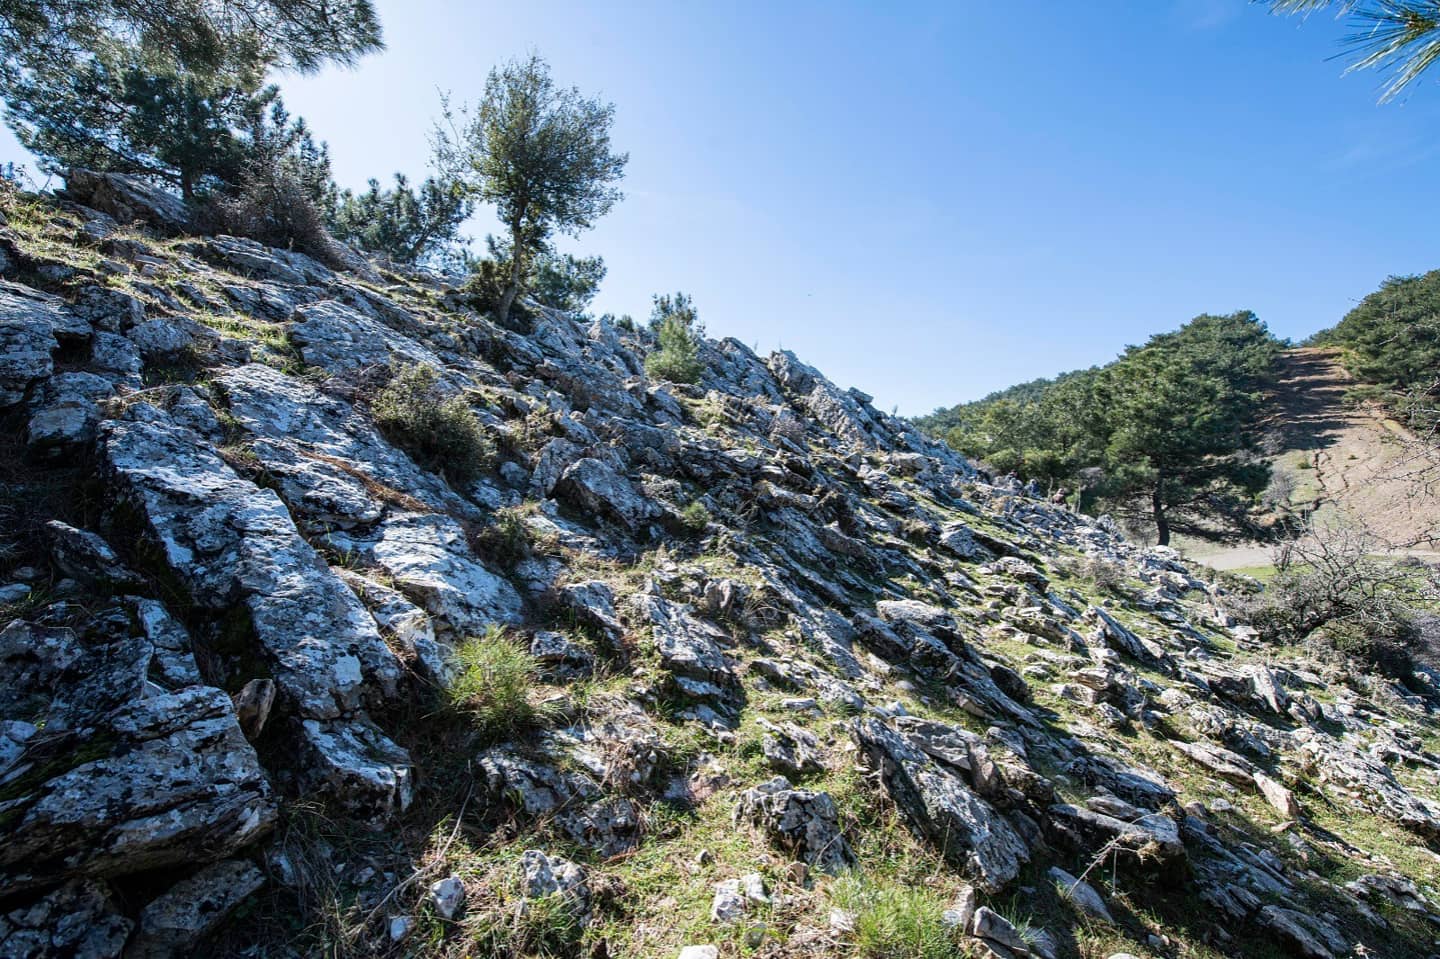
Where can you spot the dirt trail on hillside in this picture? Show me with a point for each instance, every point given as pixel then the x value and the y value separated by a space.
pixel 1346 463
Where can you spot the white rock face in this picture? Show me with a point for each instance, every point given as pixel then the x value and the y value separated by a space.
pixel 595 487
pixel 29 321
pixel 337 438
pixel 431 560
pixel 241 549
pixel 341 339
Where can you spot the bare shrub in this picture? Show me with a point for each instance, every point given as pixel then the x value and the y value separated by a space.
pixel 275 208
pixel 1332 589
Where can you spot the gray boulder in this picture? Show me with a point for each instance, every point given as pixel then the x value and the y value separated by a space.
pixel 690 650
pixel 572 800
pixel 128 200
pixel 543 876
pixel 1149 842
pixel 1309 936
pixel 592 603
pixel 1082 894
pixel 803 823
pixel 942 807
pixel 173 924
pixel 791 750
pixel 164 339
pixel 164 781
pixel 594 487
pixel 117 356
pixel 67 413
pixel 87 557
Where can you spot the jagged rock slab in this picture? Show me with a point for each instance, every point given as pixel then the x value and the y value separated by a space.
pixel 336 438
pixel 232 542
pixel 594 487
pixel 942 808
pixel 128 200
pixel 803 822
pixel 66 413
pixel 340 339
pixel 430 559
pixel 163 781
pixel 1148 841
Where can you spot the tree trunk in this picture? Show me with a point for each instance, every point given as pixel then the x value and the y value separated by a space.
pixel 1162 522
pixel 512 291
pixel 187 188
pixel 507 300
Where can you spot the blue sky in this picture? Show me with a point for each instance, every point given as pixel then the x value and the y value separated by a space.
pixel 930 201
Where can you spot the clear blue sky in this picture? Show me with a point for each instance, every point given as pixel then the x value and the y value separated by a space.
pixel 932 200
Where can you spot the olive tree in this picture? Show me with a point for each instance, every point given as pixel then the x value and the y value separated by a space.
pixel 540 153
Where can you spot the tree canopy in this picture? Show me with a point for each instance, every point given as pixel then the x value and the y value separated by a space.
pixel 407 224
pixel 1162 432
pixel 199 35
pixel 1392 339
pixel 122 110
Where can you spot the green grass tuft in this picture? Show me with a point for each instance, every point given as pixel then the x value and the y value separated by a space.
pixel 494 675
pixel 894 921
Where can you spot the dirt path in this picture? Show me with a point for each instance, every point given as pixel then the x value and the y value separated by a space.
pixel 1339 463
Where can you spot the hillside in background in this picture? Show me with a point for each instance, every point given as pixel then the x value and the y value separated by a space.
pixel 1342 434
pixel 1164 436
pixel 1337 459
pixel 342 620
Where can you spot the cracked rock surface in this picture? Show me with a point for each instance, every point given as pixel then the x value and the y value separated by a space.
pixel 256 658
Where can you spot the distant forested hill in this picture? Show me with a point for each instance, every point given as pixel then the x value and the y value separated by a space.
pixel 963 415
pixel 1392 342
pixel 1164 432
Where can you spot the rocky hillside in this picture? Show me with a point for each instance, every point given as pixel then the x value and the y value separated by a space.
pixel 740 668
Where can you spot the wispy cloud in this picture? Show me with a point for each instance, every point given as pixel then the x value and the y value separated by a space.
pixel 1383 155
pixel 1202 15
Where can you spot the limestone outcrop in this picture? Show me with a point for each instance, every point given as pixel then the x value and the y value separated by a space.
pixel 253 650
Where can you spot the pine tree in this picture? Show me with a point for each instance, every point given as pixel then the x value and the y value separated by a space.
pixel 120 110
pixel 406 224
pixel 201 37
pixel 677 328
pixel 1401 36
